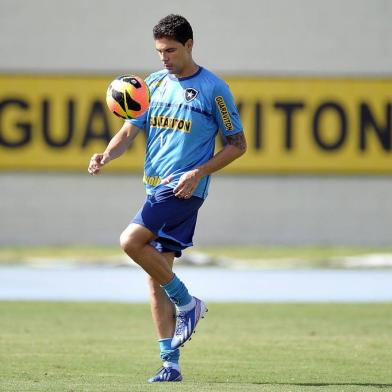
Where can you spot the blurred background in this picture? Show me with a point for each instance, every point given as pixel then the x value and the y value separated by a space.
pixel 312 80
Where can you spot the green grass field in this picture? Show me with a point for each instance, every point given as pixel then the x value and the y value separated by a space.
pixel 57 346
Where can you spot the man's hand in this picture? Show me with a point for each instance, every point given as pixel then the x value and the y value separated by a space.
pixel 186 185
pixel 96 162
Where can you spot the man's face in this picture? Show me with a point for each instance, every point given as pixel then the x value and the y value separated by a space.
pixel 175 56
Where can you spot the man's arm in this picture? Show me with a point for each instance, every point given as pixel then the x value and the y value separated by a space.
pixel 116 147
pixel 235 147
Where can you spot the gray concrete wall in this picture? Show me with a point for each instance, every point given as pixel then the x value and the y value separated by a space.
pixel 79 209
pixel 252 36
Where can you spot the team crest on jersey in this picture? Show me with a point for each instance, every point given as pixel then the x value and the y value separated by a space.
pixel 190 94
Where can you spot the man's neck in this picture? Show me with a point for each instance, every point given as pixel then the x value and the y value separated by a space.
pixel 188 71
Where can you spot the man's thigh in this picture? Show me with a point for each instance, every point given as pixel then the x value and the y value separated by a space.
pixel 137 233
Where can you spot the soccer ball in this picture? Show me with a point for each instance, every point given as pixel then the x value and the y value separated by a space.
pixel 128 96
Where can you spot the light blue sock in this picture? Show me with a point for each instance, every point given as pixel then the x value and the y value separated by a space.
pixel 177 292
pixel 167 353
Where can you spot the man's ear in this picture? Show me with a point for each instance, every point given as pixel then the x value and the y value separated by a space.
pixel 189 44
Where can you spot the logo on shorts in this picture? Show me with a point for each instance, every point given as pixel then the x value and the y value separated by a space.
pixel 190 94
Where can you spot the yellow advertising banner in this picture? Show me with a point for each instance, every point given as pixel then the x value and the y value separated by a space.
pixel 295 125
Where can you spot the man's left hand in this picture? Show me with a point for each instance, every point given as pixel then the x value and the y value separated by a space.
pixel 187 184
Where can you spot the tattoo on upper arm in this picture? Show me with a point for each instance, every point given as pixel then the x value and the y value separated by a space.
pixel 238 140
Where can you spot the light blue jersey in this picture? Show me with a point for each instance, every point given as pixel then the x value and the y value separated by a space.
pixel 181 123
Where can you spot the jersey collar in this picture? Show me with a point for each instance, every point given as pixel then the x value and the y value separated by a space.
pixel 172 77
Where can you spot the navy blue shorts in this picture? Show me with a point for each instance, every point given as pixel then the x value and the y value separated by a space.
pixel 171 219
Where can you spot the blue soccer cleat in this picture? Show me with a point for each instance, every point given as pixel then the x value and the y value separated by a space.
pixel 186 322
pixel 166 374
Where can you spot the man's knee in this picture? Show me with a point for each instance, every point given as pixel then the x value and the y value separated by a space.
pixel 129 243
pixel 133 239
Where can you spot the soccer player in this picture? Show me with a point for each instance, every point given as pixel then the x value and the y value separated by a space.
pixel 189 104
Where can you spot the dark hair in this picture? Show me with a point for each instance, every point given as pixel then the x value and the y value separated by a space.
pixel 174 27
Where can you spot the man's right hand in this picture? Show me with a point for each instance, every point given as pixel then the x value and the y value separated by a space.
pixel 96 162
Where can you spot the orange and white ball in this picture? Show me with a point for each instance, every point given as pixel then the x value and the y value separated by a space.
pixel 128 96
